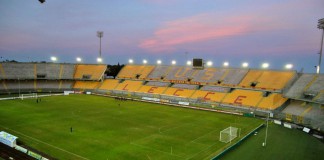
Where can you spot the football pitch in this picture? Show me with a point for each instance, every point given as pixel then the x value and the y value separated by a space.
pixel 105 128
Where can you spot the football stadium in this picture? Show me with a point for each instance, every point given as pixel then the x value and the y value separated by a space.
pixel 71 111
pixel 173 80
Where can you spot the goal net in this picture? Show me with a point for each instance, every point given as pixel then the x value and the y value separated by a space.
pixel 228 134
pixel 30 95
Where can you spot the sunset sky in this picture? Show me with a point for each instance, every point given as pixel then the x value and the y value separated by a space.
pixel 273 31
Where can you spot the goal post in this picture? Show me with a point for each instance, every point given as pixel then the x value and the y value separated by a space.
pixel 29 95
pixel 228 134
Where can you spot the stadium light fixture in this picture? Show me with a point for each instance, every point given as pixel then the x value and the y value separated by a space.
pixel 159 62
pixel 209 63
pixel 78 59
pixel 225 64
pixel 54 59
pixel 189 63
pixel 289 66
pixel 173 62
pixel 265 65
pixel 245 64
pixel 130 61
pixel 144 61
pixel 99 60
pixel 100 35
pixel 320 26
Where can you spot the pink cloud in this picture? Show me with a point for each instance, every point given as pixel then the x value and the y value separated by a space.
pixel 276 18
pixel 199 28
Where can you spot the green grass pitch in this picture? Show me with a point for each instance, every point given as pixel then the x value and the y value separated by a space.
pixel 104 130
pixel 135 130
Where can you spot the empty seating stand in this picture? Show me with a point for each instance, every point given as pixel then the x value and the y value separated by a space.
pixel 89 72
pixel 247 98
pixel 83 85
pixel 179 92
pixel 109 84
pixel 135 72
pixel 208 96
pixel 129 85
pixel 267 80
pixel 17 70
pixel 159 73
pixel 152 89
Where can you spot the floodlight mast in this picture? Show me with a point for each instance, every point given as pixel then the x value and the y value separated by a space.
pixel 100 35
pixel 320 26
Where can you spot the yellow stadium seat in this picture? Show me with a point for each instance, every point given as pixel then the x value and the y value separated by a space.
pixel 246 98
pixel 208 96
pixel 95 71
pixel 267 80
pixel 152 89
pixel 250 77
pixel 273 101
pixel 86 85
pixel 179 92
pixel 135 71
pixel 109 84
pixel 129 85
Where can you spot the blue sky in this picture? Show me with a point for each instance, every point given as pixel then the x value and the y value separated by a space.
pixel 277 32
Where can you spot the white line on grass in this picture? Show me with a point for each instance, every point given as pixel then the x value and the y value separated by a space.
pixel 46 143
pixel 202 150
pixel 145 147
pixel 204 135
pixel 172 128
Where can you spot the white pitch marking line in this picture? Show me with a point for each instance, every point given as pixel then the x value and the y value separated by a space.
pixel 47 144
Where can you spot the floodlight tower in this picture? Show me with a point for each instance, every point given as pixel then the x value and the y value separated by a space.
pixel 100 35
pixel 320 26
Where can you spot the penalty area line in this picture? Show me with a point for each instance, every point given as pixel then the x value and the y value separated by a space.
pixel 46 143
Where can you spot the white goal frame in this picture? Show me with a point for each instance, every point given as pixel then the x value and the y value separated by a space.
pixel 29 95
pixel 228 134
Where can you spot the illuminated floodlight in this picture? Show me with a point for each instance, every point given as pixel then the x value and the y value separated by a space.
pixel 245 64
pixel 289 66
pixel 53 58
pixel 159 62
pixel 225 64
pixel 265 65
pixel 173 62
pixel 209 63
pixel 99 60
pixel 144 61
pixel 78 59
pixel 131 61
pixel 189 63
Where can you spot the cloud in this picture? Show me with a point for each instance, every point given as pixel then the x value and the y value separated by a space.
pixel 275 19
pixel 199 28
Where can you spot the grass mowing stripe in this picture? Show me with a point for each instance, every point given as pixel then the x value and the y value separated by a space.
pixel 45 143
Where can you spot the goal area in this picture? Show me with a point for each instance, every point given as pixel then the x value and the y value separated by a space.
pixel 228 134
pixel 29 95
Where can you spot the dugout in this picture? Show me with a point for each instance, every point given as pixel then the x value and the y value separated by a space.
pixel 8 139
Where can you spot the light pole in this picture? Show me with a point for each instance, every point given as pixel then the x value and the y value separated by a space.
pixel 320 26
pixel 266 135
pixel 100 35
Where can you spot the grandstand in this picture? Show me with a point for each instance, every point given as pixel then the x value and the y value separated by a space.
pixel 208 96
pixel 247 98
pixel 135 72
pixel 308 87
pixel 109 84
pixel 129 85
pixel 267 80
pixel 249 89
pixel 89 72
